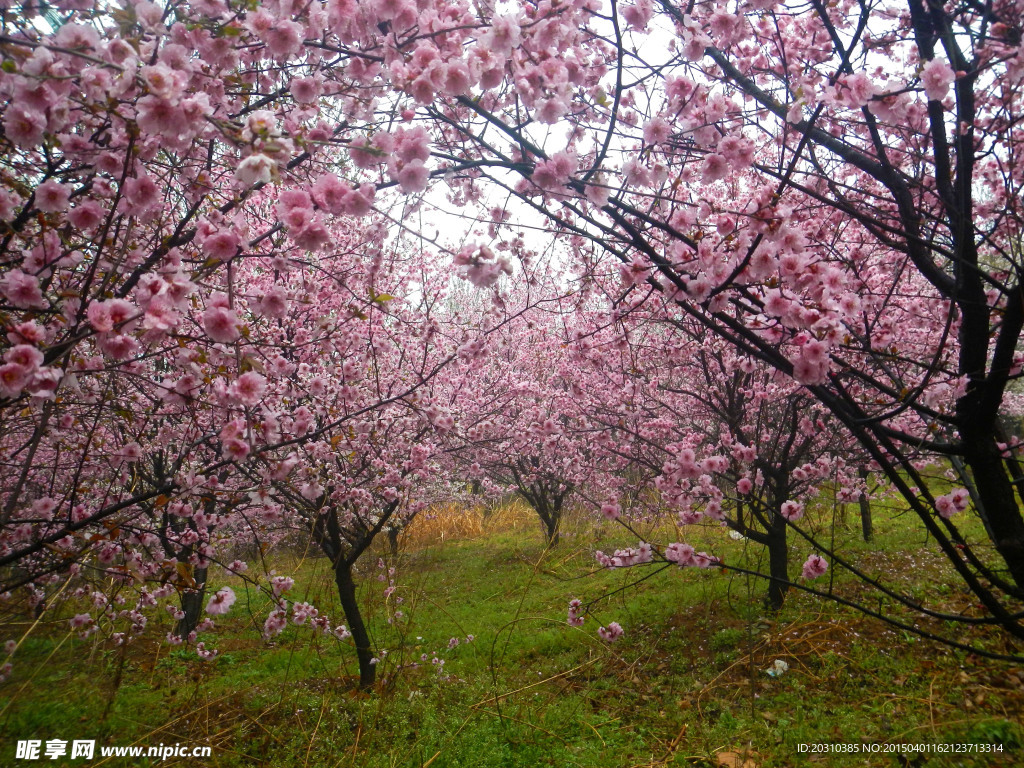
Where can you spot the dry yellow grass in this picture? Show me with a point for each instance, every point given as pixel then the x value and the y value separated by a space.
pixel 446 522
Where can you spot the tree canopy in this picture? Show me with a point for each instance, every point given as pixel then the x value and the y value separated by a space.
pixel 276 267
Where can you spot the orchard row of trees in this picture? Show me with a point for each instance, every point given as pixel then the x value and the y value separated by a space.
pixel 269 268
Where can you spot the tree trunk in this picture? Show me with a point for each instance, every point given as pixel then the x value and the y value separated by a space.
pixel 350 605
pixel 866 527
pixel 972 490
pixel 778 563
pixel 393 532
pixel 192 605
pixel 1012 463
pixel 549 512
pixel 999 503
pixel 551 529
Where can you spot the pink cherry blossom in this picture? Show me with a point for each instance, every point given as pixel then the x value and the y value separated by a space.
pixel 814 566
pixel 235 449
pixel 52 196
pixel 657 131
pixel 249 388
pixel 106 315
pixel 281 584
pixel 413 177
pixel 611 633
pixel 936 77
pixel 24 126
pixel 504 35
pixel 611 511
pixel 24 355
pixel 86 215
pixel 140 195
pixel 638 14
pixel 22 290
pixel 221 324
pixel 221 601
pixel 306 90
pixel 256 169
pixel 715 167
pixel 554 173
pixel 221 245
pixel 702 260
pixel 792 510
pixel 275 623
pixel 274 303
pixel 861 89
pixel 575 613
pixel 681 554
pixel 13 378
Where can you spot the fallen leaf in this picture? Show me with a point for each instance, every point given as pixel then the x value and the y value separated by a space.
pixel 737 759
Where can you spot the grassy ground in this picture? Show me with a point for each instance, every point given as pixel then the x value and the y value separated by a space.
pixel 686 685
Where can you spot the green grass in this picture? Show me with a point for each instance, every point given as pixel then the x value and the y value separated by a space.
pixel 686 685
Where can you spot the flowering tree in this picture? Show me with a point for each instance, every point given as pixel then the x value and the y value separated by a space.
pixel 774 174
pixel 525 421
pixel 176 242
pixel 514 431
pixel 768 170
pixel 702 434
pixel 754 452
pixel 344 486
